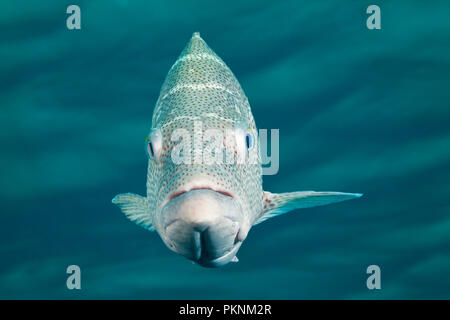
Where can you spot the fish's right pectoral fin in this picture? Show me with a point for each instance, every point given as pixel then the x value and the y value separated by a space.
pixel 135 208
pixel 276 204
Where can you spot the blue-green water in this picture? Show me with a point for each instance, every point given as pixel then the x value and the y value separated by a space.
pixel 358 110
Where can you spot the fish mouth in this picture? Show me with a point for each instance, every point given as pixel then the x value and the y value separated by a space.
pixel 203 225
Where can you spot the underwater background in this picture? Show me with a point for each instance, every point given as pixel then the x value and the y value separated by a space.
pixel 358 111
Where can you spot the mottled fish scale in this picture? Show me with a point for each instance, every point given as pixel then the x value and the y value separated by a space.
pixel 199 74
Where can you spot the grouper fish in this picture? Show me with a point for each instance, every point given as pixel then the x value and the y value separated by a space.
pixel 201 209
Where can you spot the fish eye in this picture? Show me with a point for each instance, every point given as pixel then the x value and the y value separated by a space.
pixel 154 144
pixel 249 140
pixel 150 151
pixel 245 138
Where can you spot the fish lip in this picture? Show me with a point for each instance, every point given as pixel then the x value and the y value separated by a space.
pixel 183 191
pixel 179 193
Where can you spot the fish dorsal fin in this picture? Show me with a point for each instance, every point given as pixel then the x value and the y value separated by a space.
pixel 197 46
pixel 278 203
pixel 135 208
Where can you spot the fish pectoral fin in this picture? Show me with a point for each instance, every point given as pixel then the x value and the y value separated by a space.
pixel 278 203
pixel 135 208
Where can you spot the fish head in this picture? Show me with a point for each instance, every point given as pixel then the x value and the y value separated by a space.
pixel 202 207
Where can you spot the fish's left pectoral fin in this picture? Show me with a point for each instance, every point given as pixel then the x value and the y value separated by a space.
pixel 278 203
pixel 135 208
